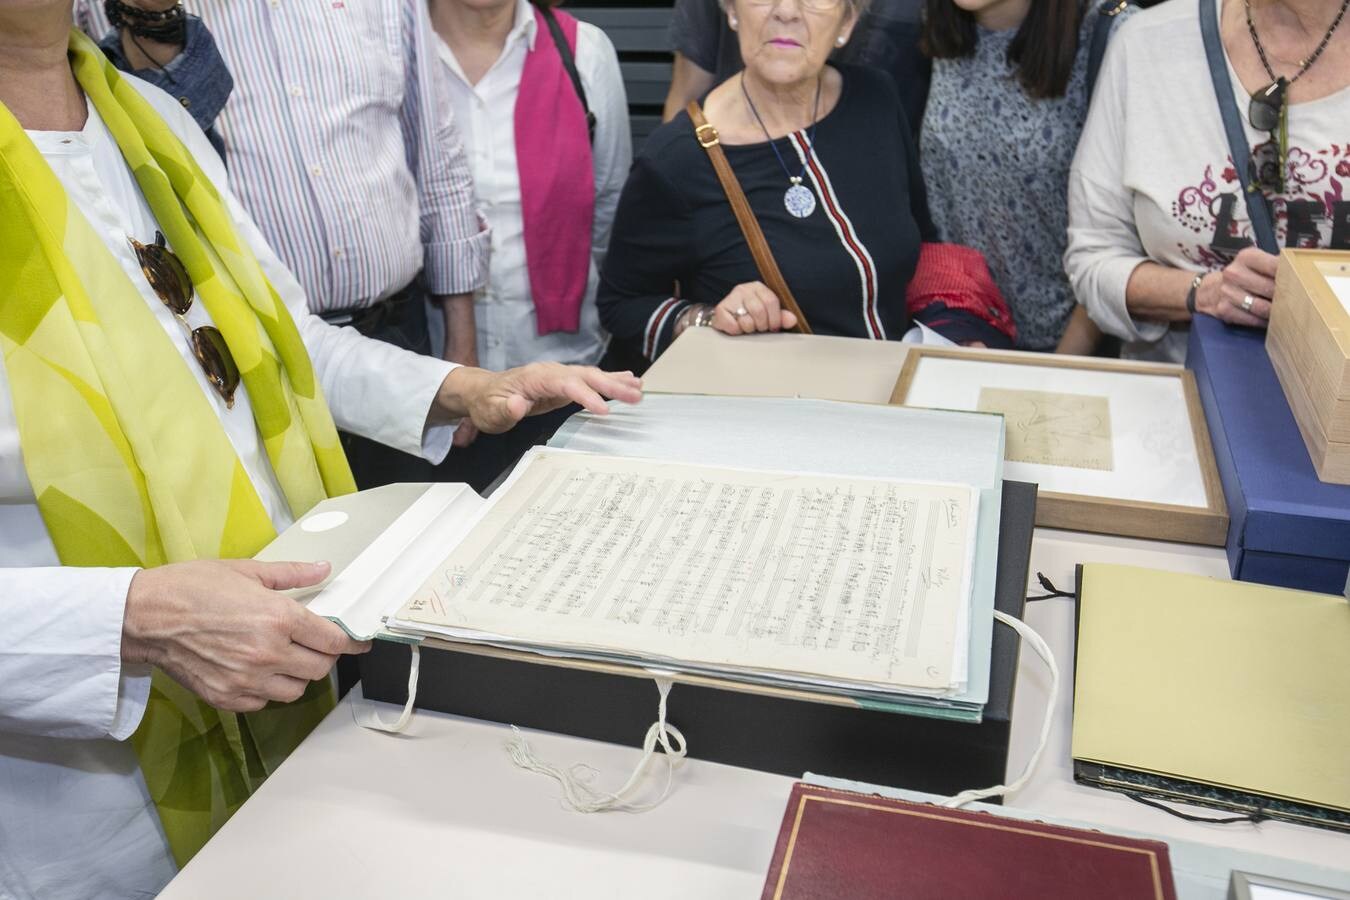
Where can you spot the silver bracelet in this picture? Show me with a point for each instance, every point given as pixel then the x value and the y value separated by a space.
pixel 703 316
pixel 1191 294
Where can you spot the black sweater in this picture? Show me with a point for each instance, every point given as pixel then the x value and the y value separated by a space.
pixel 848 263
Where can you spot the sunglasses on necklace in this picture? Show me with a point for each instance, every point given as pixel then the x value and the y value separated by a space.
pixel 1268 112
pixel 170 282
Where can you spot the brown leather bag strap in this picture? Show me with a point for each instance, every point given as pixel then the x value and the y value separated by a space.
pixel 759 247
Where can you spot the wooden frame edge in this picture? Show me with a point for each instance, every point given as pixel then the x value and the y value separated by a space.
pixel 907 371
pixel 1133 519
pixel 1217 504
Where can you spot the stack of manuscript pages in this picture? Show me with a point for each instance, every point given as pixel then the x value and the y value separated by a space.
pixel 864 577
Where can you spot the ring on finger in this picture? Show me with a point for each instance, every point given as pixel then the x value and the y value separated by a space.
pixel 740 311
pixel 1247 301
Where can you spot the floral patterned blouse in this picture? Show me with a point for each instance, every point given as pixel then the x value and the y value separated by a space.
pixel 996 163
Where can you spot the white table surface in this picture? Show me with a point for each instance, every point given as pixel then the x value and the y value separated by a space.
pixel 441 812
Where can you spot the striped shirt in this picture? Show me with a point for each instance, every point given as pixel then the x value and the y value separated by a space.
pixel 342 146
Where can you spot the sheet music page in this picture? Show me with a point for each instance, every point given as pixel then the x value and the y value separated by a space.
pixel 844 578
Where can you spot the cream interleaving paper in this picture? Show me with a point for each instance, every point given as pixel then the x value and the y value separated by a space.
pixel 1340 286
pixel 1053 429
pixel 1226 683
pixel 854 581
pixel 1337 274
pixel 780 364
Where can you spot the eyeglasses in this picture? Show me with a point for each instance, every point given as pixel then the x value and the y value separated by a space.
pixel 170 281
pixel 1268 112
pixel 817 6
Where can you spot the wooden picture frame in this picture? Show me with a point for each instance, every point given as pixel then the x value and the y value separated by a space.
pixel 1202 522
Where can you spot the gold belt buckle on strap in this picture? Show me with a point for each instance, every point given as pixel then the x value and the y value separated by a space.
pixel 703 142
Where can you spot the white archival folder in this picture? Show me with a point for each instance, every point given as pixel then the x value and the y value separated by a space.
pixel 385 543
pixel 360 535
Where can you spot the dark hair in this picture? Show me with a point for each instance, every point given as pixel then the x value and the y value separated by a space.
pixel 1042 51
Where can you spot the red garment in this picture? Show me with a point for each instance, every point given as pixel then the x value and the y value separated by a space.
pixel 557 180
pixel 958 277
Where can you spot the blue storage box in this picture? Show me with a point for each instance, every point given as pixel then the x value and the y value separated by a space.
pixel 1286 527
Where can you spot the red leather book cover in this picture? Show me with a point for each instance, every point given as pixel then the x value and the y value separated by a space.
pixel 838 844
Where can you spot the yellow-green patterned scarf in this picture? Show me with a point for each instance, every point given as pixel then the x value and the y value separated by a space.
pixel 127 458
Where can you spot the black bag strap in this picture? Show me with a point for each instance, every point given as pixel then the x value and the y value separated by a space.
pixel 1257 208
pixel 1101 33
pixel 569 63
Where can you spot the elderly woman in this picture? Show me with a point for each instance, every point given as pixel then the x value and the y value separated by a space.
pixel 1160 225
pixel 825 158
pixel 162 406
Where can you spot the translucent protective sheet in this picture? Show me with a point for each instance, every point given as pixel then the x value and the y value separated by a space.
pixel 852 439
pixel 1340 286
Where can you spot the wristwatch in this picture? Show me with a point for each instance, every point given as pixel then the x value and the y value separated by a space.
pixel 1190 295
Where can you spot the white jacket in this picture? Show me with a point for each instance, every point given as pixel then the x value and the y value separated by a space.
pixel 75 817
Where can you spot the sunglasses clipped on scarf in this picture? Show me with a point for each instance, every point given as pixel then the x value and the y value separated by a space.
pixel 1268 112
pixel 170 281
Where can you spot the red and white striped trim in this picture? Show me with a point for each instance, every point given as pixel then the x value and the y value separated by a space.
pixel 848 235
pixel 655 324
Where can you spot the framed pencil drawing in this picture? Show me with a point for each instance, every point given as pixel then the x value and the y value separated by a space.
pixel 1117 447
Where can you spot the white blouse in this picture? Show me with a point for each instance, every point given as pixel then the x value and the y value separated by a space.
pixel 485 117
pixel 1153 179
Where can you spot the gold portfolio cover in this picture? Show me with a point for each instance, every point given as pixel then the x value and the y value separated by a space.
pixel 1237 685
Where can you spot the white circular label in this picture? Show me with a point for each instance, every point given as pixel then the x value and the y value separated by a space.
pixel 324 521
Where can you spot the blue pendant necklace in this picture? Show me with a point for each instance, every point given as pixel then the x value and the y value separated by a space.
pixel 798 199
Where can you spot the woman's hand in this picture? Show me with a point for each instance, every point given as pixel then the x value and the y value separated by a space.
pixel 749 308
pixel 224 630
pixel 495 401
pixel 1224 294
